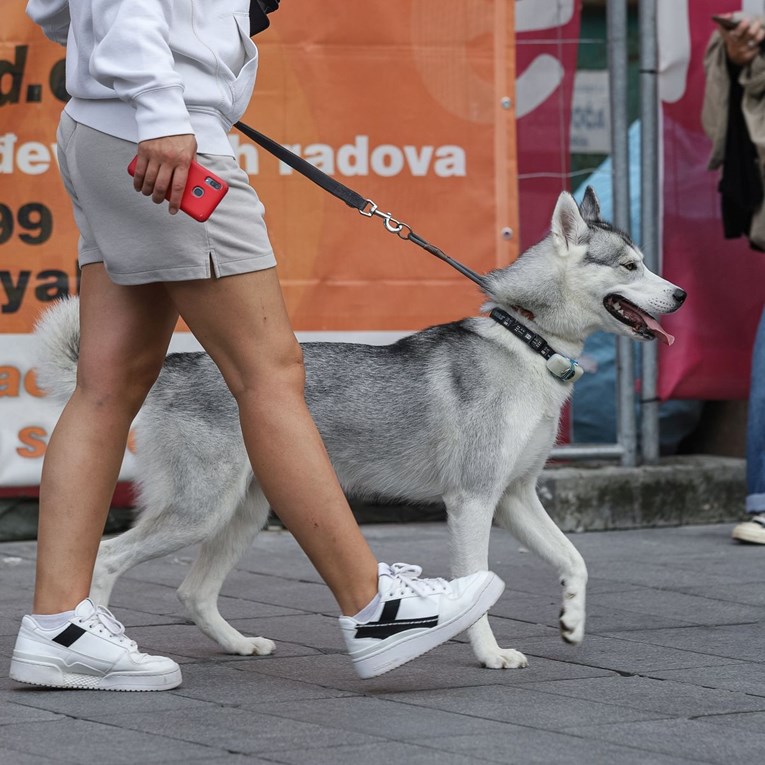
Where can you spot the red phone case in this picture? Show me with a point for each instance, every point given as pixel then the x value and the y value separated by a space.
pixel 204 191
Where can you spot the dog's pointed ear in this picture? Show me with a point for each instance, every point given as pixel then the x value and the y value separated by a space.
pixel 568 226
pixel 590 207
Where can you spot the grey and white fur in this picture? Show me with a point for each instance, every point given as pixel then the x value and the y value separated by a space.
pixel 462 412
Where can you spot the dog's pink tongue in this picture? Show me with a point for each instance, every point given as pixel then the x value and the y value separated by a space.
pixel 655 327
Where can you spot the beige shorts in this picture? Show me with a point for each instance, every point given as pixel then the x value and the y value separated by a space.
pixel 139 241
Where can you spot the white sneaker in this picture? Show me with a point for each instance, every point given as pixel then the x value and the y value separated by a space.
pixel 90 651
pixel 752 531
pixel 415 615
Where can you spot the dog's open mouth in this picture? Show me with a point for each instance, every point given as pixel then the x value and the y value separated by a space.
pixel 640 322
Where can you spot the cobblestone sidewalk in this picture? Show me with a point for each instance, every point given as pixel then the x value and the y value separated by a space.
pixel 672 669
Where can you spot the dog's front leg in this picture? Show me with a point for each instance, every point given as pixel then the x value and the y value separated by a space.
pixel 521 513
pixel 469 530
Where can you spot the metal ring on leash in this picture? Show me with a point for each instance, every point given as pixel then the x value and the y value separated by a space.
pixel 372 209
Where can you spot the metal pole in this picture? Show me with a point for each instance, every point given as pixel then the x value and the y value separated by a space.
pixel 616 34
pixel 587 452
pixel 650 222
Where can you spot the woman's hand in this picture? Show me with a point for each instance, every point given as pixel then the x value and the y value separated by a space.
pixel 163 165
pixel 742 44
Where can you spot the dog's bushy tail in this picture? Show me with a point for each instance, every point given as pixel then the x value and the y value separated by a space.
pixel 57 336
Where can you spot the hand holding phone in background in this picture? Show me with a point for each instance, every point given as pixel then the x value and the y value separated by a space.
pixel 727 22
pixel 202 194
pixel 743 37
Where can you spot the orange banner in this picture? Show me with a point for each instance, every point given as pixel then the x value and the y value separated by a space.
pixel 411 104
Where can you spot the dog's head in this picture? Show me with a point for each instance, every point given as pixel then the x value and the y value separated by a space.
pixel 632 296
pixel 587 276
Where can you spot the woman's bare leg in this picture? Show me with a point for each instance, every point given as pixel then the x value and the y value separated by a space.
pixel 242 322
pixel 125 332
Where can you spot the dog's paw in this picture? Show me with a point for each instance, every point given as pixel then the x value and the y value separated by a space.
pixel 572 625
pixel 253 646
pixel 505 658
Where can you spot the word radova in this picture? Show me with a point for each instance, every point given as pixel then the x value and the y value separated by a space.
pixel 361 158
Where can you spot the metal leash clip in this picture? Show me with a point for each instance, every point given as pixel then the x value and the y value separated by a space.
pixel 391 224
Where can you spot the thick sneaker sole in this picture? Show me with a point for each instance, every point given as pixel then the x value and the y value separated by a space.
pixel 406 647
pixel 51 676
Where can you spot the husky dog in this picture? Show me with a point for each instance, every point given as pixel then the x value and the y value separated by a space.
pixel 465 412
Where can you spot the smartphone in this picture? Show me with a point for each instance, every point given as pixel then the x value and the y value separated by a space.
pixel 727 22
pixel 204 191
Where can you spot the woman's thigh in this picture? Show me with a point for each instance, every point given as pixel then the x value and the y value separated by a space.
pixel 242 322
pixel 124 332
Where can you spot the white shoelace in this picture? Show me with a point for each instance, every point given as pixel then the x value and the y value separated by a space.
pixel 103 617
pixel 406 580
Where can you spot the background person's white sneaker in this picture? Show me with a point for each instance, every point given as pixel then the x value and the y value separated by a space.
pixel 89 651
pixel 752 531
pixel 415 615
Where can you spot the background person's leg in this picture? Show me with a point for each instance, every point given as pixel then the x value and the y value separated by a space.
pixel 755 435
pixel 242 322
pixel 125 332
pixel 753 529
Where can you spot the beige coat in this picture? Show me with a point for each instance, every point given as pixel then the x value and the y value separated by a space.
pixel 714 114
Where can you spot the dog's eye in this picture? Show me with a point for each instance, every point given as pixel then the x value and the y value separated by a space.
pixel 630 266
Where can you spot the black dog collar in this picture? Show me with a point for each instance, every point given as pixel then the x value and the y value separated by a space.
pixel 558 365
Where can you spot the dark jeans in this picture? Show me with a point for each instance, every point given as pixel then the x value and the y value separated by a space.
pixel 755 435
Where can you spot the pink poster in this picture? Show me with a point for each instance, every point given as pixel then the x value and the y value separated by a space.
pixel 725 279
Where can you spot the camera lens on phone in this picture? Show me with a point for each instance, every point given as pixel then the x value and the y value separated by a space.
pixel 198 191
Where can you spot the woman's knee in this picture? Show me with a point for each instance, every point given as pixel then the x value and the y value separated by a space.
pixel 273 372
pixel 121 387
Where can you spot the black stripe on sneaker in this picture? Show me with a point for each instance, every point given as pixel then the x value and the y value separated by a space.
pixel 69 635
pixel 390 611
pixel 382 630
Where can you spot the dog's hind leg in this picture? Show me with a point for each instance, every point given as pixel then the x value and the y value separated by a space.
pixel 469 530
pixel 180 508
pixel 200 589
pixel 154 535
pixel 521 513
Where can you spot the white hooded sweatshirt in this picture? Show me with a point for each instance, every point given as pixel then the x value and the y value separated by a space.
pixel 141 69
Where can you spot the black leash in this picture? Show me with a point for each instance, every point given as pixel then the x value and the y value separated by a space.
pixel 365 206
pixel 559 366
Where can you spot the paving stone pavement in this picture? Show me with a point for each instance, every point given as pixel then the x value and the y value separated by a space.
pixel 672 669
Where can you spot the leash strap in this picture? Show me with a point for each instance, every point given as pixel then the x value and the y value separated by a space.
pixel 353 199
pixel 350 197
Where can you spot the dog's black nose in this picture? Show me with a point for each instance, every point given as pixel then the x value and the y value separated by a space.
pixel 680 295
